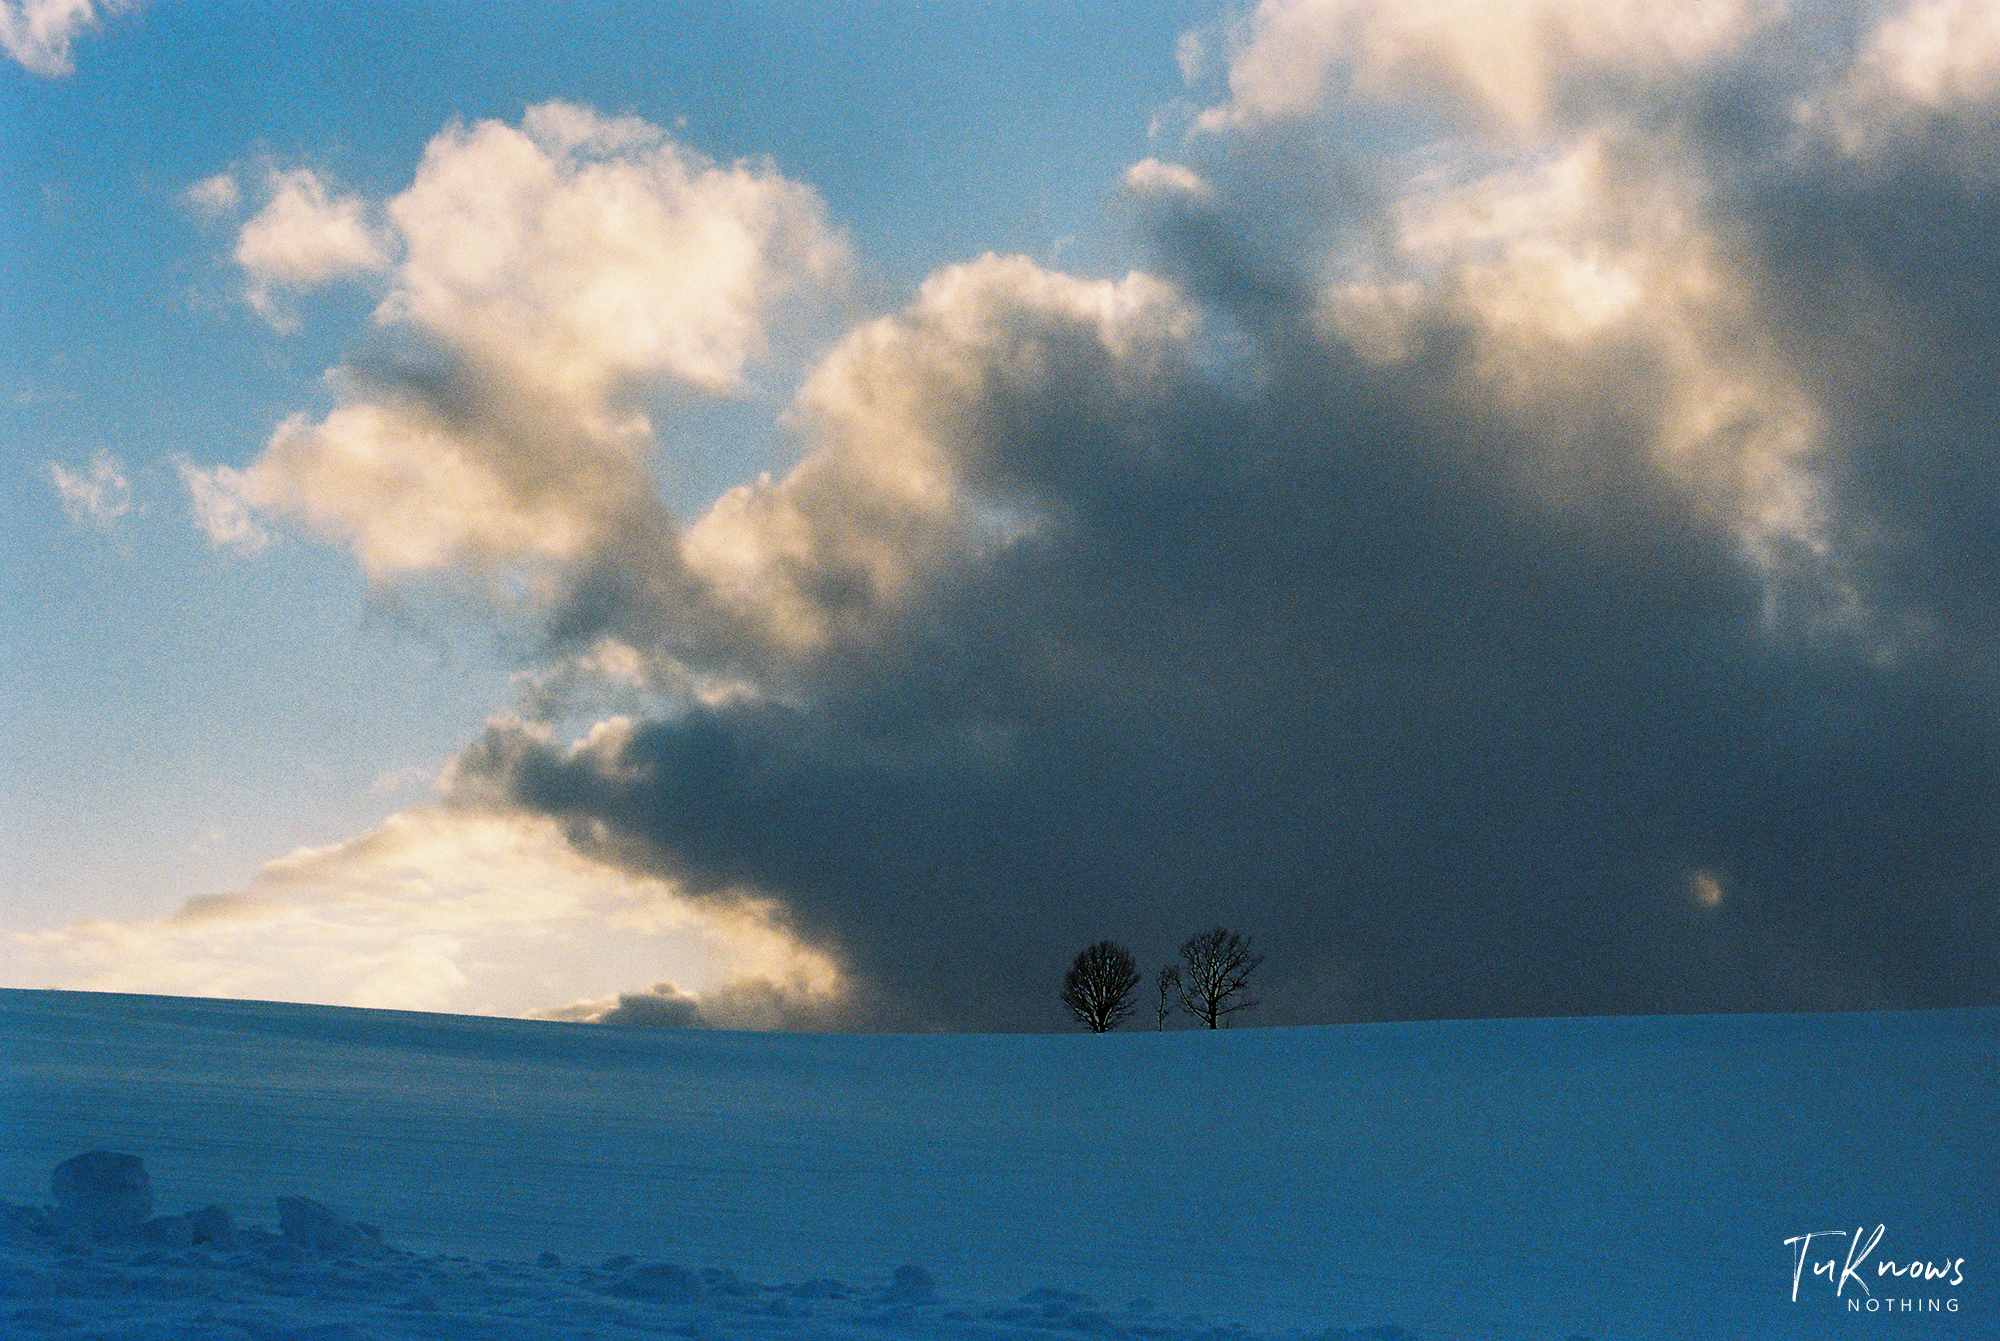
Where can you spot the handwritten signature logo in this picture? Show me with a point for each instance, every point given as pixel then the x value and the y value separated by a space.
pixel 1850 1264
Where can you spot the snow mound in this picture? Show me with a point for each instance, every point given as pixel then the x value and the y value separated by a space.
pixel 102 1192
pixel 311 1225
pixel 200 1277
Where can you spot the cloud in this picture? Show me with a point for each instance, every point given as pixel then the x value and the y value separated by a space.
pixel 223 506
pixel 1440 597
pixel 1519 65
pixel 835 553
pixel 1938 54
pixel 611 262
pixel 1153 176
pixel 1597 265
pixel 227 908
pixel 216 196
pixel 37 33
pixel 414 482
pixel 1548 570
pixel 301 239
pixel 439 909
pixel 611 253
pixel 663 1006
pixel 753 1003
pixel 1926 69
pixel 101 495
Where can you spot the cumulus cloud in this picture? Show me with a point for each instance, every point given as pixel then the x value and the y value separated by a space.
pixel 1519 64
pixel 100 495
pixel 301 239
pixel 611 253
pixel 610 262
pixel 414 482
pixel 37 33
pixel 1939 54
pixel 441 909
pixel 1550 570
pixel 1443 597
pixel 836 553
pixel 1596 266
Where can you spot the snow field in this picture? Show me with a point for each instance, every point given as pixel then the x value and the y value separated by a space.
pixel 1526 1180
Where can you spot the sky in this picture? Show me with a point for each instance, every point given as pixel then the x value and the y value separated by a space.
pixel 780 517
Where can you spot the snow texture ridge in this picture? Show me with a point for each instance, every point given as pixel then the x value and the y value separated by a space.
pixel 197 1277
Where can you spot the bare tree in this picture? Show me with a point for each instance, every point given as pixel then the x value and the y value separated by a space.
pixel 1169 983
pixel 1098 988
pixel 1215 974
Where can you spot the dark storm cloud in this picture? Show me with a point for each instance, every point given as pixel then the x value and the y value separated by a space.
pixel 1459 702
pixel 1292 668
pixel 1888 283
pixel 657 1009
pixel 751 1003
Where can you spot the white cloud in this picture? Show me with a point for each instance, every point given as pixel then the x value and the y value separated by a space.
pixel 1151 176
pixel 877 504
pixel 1929 59
pixel 577 252
pixel 412 491
pixel 37 33
pixel 1503 60
pixel 223 505
pixel 1589 269
pixel 101 495
pixel 217 195
pixel 437 909
pixel 302 239
pixel 1939 53
pixel 560 267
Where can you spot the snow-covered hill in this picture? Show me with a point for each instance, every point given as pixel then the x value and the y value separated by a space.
pixel 1618 1178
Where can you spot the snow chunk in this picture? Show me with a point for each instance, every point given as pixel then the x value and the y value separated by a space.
pixel 912 1285
pixel 310 1225
pixel 102 1192
pixel 659 1280
pixel 212 1224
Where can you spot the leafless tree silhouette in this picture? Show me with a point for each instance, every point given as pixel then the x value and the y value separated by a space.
pixel 1098 988
pixel 1215 971
pixel 1169 983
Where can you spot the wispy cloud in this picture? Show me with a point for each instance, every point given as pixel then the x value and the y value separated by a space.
pixel 99 495
pixel 223 506
pixel 37 33
pixel 216 196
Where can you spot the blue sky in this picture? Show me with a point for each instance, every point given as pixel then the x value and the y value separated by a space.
pixel 162 681
pixel 784 516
